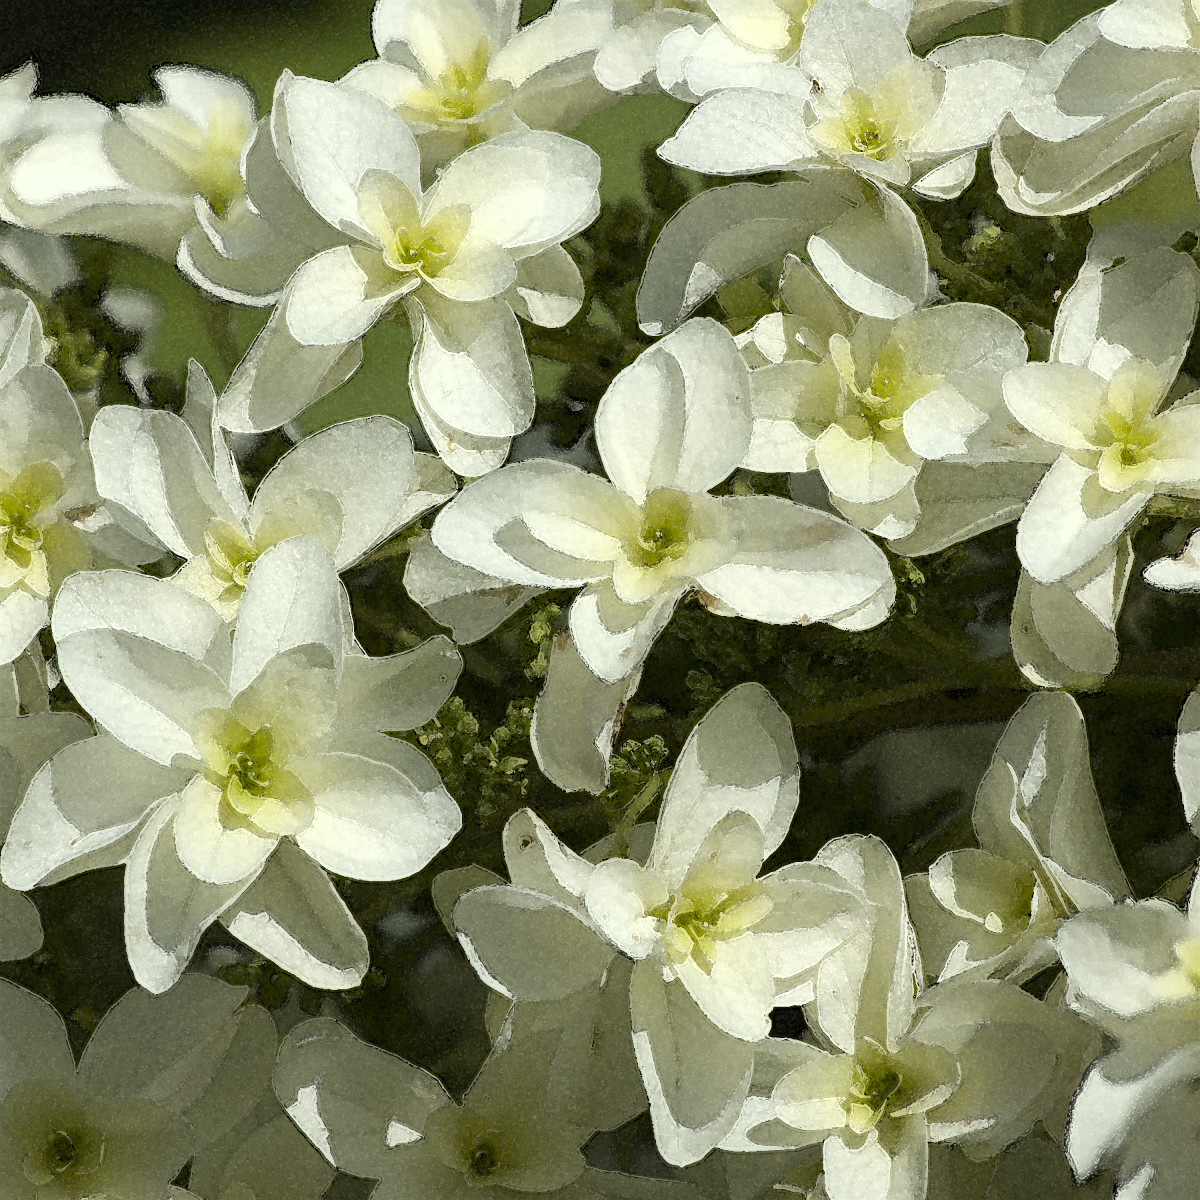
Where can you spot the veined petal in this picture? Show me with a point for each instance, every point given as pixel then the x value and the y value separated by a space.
pixel 279 377
pixel 381 809
pixel 791 564
pixel 310 119
pixel 575 721
pixel 293 914
pixel 548 289
pixel 611 653
pixel 1057 401
pixel 526 190
pixel 89 795
pixel 336 296
pixel 679 415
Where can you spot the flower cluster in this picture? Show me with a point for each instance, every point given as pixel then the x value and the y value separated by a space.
pixel 535 907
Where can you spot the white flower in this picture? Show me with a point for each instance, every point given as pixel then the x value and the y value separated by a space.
pixel 858 96
pixel 1112 98
pixel 350 486
pixel 975 1063
pixel 156 1082
pixel 51 519
pixel 480 246
pixel 1134 971
pixel 1119 340
pixel 670 427
pixel 714 947
pixel 462 70
pixel 26 742
pixel 227 771
pixel 375 1115
pixel 863 240
pixel 867 401
pixel 1044 854
pixel 144 175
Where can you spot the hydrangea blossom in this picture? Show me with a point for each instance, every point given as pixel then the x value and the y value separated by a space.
pixel 463 70
pixel 160 1079
pixel 858 96
pixel 1132 970
pixel 671 426
pixel 483 244
pixel 893 1068
pixel 231 771
pixel 375 1115
pixel 1044 854
pixel 349 486
pixel 715 947
pixel 868 402
pixel 143 175
pixel 52 522
pixel 1118 344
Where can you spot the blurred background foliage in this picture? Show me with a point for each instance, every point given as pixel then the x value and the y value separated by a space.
pixel 895 726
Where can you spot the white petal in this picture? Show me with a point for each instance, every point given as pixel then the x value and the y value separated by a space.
pixel 279 377
pixel 470 368
pixel 310 121
pixel 166 907
pixel 206 847
pixel 549 288
pixel 334 298
pixel 149 464
pixel 33 1038
pixel 293 598
pixel 679 415
pixel 696 1075
pixel 740 131
pixel 739 757
pixel 575 721
pixel 345 1094
pixel 613 655
pixel 525 190
pixel 293 914
pixel 381 809
pixel 366 464
pixel 1058 535
pixel 89 795
pixel 399 691
pixel 527 945
pixel 790 564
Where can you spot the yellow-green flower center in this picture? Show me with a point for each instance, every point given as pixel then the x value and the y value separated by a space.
pixel 874 1081
pixel 24 505
pixel 230 555
pixel 1125 431
pixel 696 923
pixel 865 129
pixel 1187 954
pixel 875 408
pixel 665 531
pixel 258 792
pixel 483 1156
pixel 462 90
